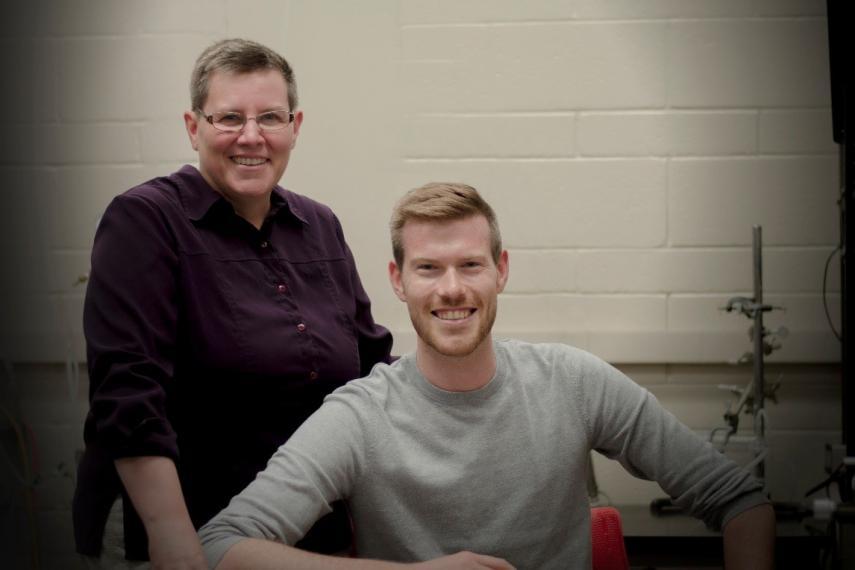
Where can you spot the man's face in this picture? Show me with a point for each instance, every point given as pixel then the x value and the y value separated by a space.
pixel 243 166
pixel 450 283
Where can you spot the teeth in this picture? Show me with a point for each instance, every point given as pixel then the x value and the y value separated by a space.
pixel 452 315
pixel 249 161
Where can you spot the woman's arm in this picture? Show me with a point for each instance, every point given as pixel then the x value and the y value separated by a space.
pixel 152 483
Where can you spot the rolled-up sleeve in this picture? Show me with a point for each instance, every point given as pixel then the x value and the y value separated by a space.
pixel 320 464
pixel 129 320
pixel 629 424
pixel 375 341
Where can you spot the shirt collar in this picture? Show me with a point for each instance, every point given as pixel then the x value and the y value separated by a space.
pixel 198 198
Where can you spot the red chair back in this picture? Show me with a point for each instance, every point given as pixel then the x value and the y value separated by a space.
pixel 607 548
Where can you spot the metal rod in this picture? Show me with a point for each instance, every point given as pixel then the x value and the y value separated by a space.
pixel 759 387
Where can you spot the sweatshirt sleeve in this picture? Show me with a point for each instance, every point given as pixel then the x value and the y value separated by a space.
pixel 318 465
pixel 627 423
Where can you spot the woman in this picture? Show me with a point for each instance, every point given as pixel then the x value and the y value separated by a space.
pixel 220 310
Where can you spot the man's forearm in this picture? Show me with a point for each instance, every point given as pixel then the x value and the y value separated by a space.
pixel 263 554
pixel 749 540
pixel 258 554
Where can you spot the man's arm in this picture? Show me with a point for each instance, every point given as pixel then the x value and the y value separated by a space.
pixel 263 555
pixel 749 540
pixel 152 483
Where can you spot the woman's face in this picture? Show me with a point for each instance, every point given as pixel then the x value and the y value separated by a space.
pixel 243 166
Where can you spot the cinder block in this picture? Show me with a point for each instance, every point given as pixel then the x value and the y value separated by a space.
pixel 26 198
pixel 717 201
pixel 92 17
pixel 56 535
pixel 167 140
pixel 799 270
pixel 265 21
pixel 630 313
pixel 445 43
pixel 100 79
pixel 24 145
pixel 640 346
pixel 796 132
pixel 542 312
pixel 796 461
pixel 804 407
pixel 188 16
pixel 553 67
pixel 417 12
pixel 748 63
pixel 663 271
pixel 33 94
pixel 82 197
pixel 576 203
pixel 539 271
pixel 68 270
pixel 691 374
pixel 145 77
pixel 698 406
pixel 170 59
pixel 711 133
pixel 703 312
pixel 623 134
pixel 465 136
pixel 645 374
pixel 92 143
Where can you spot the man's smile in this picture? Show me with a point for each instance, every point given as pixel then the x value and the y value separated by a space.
pixel 453 314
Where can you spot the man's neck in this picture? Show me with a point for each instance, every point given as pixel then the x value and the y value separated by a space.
pixel 458 373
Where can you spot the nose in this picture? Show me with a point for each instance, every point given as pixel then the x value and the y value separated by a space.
pixel 251 132
pixel 450 287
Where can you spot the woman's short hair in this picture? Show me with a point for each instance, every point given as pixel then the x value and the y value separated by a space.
pixel 237 56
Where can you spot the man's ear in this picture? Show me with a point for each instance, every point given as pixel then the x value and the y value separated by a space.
pixel 191 123
pixel 395 280
pixel 502 270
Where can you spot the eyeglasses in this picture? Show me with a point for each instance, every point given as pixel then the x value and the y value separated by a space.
pixel 234 122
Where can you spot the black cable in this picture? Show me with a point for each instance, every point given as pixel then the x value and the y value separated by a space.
pixel 824 299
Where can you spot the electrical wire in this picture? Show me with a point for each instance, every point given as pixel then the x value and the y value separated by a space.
pixel 26 480
pixel 824 291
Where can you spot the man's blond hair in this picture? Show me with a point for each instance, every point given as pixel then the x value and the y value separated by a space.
pixel 441 202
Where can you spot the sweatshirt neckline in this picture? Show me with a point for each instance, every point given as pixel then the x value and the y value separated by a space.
pixel 452 398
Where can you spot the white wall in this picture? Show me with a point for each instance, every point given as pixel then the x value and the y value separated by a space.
pixel 628 147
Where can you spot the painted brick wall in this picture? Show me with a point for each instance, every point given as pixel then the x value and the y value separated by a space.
pixel 628 147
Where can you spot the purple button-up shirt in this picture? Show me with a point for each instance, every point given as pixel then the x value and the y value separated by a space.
pixel 210 341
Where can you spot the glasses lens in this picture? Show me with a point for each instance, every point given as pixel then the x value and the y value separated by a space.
pixel 273 120
pixel 232 121
pixel 228 121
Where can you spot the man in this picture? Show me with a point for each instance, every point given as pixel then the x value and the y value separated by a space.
pixel 472 453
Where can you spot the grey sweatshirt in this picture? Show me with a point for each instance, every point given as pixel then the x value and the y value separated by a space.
pixel 500 470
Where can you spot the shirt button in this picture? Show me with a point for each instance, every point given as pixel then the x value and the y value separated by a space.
pixel 281 288
pixel 313 375
pixel 263 244
pixel 301 327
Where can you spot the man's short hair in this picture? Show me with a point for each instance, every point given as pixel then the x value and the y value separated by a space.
pixel 237 56
pixel 442 202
